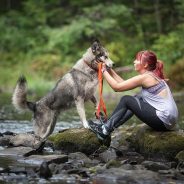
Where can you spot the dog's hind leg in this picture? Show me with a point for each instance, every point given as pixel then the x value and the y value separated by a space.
pixel 81 111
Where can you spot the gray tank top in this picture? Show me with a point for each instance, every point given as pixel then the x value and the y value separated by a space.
pixel 166 108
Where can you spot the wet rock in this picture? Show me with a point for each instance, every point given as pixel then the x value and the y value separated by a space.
pixel 5 140
pixel 9 133
pixel 108 155
pixel 128 166
pixel 172 174
pixel 155 166
pixel 133 158
pixel 39 159
pixel 78 156
pixel 180 166
pixel 31 172
pixel 26 139
pixel 118 175
pixel 17 170
pixel 15 151
pixel 77 140
pixel 98 169
pixel 80 172
pixel 180 156
pixel 132 154
pixel 122 150
pixel 113 163
pixel 44 171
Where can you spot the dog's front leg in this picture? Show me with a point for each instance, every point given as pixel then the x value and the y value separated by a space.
pixel 81 111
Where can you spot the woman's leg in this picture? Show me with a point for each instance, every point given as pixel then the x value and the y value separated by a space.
pixel 130 105
pixel 128 113
pixel 119 106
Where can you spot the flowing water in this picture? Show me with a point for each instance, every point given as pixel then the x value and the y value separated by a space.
pixel 14 121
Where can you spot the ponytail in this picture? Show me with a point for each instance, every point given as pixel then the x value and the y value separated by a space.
pixel 158 71
pixel 154 65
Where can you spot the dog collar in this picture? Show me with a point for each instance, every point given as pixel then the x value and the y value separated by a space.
pixel 90 65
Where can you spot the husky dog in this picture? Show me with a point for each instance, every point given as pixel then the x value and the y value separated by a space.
pixel 74 88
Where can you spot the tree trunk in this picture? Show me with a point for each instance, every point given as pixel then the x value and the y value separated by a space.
pixel 157 16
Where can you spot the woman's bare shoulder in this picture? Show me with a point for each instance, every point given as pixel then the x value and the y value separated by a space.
pixel 149 80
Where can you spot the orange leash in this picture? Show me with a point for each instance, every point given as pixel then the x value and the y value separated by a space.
pixel 101 101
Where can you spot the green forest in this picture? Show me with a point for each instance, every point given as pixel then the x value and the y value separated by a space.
pixel 43 39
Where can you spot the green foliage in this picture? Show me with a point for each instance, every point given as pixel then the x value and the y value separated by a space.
pixel 176 74
pixel 170 47
pixel 45 64
pixel 62 39
pixel 118 52
pixel 32 32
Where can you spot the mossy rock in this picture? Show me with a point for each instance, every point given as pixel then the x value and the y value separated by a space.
pixel 113 163
pixel 180 156
pixel 77 140
pixel 154 144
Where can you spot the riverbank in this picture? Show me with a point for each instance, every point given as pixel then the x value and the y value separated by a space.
pixel 107 164
pixel 124 160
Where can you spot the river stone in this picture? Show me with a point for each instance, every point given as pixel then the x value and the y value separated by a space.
pixel 15 151
pixel 40 159
pixel 44 171
pixel 180 156
pixel 158 145
pixel 77 140
pixel 5 140
pixel 119 175
pixel 108 155
pixel 155 166
pixel 26 139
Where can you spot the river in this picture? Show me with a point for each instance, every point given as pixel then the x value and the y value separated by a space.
pixel 14 121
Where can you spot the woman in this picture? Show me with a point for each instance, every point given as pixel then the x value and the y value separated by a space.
pixel 154 106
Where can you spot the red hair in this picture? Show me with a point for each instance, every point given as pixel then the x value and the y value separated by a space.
pixel 154 65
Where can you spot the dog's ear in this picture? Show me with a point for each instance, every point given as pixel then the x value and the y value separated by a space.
pixel 95 46
pixel 31 106
pixel 96 40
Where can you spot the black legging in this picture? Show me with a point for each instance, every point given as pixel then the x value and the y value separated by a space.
pixel 130 105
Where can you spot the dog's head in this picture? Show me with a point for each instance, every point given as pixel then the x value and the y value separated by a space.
pixel 97 53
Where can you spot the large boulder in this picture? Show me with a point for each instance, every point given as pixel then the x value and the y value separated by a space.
pixel 154 144
pixel 77 140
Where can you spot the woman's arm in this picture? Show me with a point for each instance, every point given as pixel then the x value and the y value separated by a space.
pixel 115 75
pixel 125 84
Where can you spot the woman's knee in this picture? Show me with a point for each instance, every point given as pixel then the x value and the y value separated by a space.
pixel 126 99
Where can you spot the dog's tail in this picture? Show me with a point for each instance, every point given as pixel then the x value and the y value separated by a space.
pixel 19 98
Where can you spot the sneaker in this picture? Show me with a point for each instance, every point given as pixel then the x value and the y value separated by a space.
pixel 97 129
pixel 102 119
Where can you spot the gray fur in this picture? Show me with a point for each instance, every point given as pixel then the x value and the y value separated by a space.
pixel 73 89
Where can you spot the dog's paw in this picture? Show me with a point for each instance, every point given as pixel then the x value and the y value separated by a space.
pixel 86 125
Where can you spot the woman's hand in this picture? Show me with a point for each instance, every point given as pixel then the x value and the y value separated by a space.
pixel 104 67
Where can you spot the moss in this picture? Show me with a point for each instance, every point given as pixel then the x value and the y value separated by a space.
pixel 180 156
pixel 113 163
pixel 157 144
pixel 127 135
pixel 93 170
pixel 73 140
